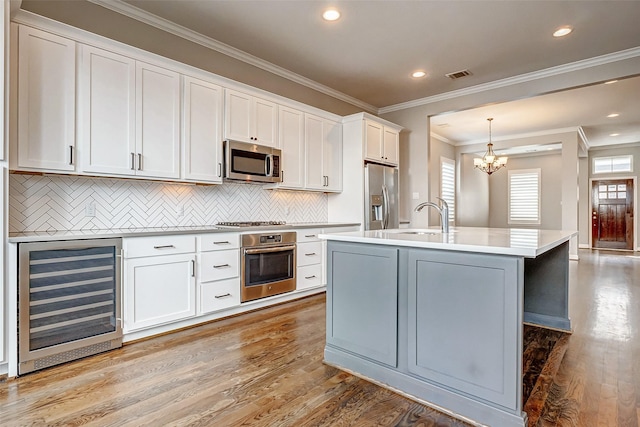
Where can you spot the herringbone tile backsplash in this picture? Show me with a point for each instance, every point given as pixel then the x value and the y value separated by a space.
pixel 45 203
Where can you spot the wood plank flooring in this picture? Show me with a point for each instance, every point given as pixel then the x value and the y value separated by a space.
pixel 265 369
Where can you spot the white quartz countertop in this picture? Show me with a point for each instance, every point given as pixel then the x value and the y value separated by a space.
pixel 53 235
pixel 528 243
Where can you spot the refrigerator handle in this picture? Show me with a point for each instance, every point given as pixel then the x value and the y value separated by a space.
pixel 385 211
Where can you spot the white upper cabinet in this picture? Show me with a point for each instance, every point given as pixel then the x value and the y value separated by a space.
pixel 202 131
pixel 323 145
pixel 250 119
pixel 158 122
pixel 291 142
pixel 381 143
pixel 129 116
pixel 46 101
pixel 107 111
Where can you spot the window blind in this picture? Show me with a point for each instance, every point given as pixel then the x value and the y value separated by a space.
pixel 524 196
pixel 448 186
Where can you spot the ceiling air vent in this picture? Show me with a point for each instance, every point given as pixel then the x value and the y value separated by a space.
pixel 458 74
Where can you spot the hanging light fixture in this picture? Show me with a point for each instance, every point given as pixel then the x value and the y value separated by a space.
pixel 490 163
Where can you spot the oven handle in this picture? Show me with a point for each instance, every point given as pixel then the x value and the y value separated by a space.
pixel 269 250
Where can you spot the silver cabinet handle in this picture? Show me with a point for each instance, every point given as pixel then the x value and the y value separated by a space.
pixel 310 235
pixel 193 268
pixel 164 247
pixel 221 266
pixel 226 242
pixel 219 170
pixel 310 277
pixel 223 295
pixel 311 254
pixel 133 161
pixel 71 154
pixel 139 161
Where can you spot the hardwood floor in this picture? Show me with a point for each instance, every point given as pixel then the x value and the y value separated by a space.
pixel 265 369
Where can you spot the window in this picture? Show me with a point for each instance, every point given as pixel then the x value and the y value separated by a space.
pixel 448 186
pixel 524 196
pixel 612 164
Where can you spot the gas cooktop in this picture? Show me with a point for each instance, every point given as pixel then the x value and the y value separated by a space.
pixel 249 223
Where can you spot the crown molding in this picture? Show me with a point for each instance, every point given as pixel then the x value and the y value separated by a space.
pixel 133 12
pixel 442 138
pixel 522 78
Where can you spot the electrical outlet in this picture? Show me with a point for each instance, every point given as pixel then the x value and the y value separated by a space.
pixel 90 209
pixel 416 196
pixel 180 210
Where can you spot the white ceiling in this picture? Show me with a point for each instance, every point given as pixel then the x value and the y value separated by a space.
pixel 370 52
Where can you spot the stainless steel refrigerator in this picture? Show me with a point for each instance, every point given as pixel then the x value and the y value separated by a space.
pixel 381 197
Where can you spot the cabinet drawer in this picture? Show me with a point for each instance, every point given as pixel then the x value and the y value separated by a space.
pixel 309 253
pixel 219 265
pixel 309 276
pixel 218 241
pixel 219 295
pixel 308 235
pixel 158 245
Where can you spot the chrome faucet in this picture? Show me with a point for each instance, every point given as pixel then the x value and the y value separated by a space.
pixel 443 210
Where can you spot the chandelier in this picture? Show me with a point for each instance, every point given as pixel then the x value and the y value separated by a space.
pixel 489 163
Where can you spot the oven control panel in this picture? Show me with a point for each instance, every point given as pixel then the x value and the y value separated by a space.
pixel 271 238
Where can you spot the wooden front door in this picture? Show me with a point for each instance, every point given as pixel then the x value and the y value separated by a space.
pixel 612 214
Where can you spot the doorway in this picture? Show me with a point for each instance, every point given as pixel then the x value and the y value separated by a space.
pixel 612 214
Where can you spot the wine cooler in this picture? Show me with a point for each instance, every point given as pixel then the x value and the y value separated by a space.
pixel 68 301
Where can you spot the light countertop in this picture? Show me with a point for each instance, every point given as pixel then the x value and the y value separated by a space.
pixel 53 235
pixel 528 243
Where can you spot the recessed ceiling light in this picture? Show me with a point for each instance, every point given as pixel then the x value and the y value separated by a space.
pixel 562 31
pixel 612 115
pixel 330 15
pixel 611 82
pixel 418 74
pixel 614 134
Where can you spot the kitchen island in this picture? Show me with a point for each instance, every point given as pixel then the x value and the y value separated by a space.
pixel 439 317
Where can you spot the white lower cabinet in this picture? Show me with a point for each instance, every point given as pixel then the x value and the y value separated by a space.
pixel 160 280
pixel 159 290
pixel 309 276
pixel 218 273
pixel 310 259
pixel 219 295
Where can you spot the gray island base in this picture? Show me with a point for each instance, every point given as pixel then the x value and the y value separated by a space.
pixel 439 318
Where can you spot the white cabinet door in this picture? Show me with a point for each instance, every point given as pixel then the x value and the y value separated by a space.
pixel 291 137
pixel 202 130
pixel 265 119
pixel 314 147
pixel 373 142
pixel 237 120
pixel 250 119
pixel 323 145
pixel 391 146
pixel 46 101
pixel 106 111
pixel 159 290
pixel 158 122
pixel 332 155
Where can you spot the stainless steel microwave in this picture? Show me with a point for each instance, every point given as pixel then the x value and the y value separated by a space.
pixel 251 162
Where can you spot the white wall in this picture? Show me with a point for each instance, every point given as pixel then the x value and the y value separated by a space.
pixel 472 194
pixel 550 191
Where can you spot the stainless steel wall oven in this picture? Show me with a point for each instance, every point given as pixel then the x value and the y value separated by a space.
pixel 68 301
pixel 268 264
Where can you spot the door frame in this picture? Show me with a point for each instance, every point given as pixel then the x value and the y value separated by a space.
pixel 636 247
